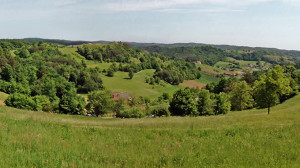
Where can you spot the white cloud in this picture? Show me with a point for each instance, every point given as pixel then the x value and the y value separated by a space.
pixel 144 5
pixel 64 2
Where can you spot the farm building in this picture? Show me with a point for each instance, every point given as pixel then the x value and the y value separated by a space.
pixel 118 95
pixel 198 62
pixel 230 74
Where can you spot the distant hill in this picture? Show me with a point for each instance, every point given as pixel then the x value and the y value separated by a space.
pixel 293 53
pixel 65 42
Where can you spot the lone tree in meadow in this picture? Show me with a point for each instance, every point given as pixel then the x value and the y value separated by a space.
pixel 270 87
pixel 130 74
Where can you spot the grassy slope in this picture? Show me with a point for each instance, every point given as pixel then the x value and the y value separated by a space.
pixel 136 86
pixel 239 139
pixel 207 78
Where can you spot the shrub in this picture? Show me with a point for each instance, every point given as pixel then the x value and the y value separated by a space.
pixel 21 101
pixel 43 103
pixel 160 110
pixel 135 112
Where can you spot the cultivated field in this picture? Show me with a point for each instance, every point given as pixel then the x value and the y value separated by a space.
pixel 193 84
pixel 238 139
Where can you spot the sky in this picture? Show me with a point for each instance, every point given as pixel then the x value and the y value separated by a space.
pixel 255 23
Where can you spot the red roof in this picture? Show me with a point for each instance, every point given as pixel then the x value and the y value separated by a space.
pixel 115 95
pixel 230 74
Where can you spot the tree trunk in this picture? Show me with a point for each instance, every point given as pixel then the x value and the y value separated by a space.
pixel 268 110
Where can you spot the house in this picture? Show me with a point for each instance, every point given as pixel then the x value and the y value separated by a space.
pixel 115 95
pixel 118 95
pixel 125 96
pixel 230 74
pixel 198 62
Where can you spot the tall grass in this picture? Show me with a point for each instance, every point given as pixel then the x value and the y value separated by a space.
pixel 239 139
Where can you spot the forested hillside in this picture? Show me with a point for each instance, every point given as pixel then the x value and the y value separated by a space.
pixel 173 71
pixel 211 55
pixel 57 78
pixel 292 53
pixel 38 77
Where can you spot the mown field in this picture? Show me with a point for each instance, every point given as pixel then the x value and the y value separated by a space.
pixel 238 139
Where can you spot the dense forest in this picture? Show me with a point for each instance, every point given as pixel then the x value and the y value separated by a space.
pixel 37 76
pixel 205 54
pixel 211 55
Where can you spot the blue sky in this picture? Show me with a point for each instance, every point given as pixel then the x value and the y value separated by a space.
pixel 264 23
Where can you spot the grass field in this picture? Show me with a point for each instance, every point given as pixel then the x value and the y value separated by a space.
pixel 222 64
pixel 207 78
pixel 101 66
pixel 193 84
pixel 71 51
pixel 210 69
pixel 137 86
pixel 238 139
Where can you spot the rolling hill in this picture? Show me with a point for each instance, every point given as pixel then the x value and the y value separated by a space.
pixel 293 53
pixel 240 139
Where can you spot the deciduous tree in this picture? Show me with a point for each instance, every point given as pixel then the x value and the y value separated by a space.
pixel 270 86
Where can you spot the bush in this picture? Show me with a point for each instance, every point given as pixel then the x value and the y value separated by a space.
pixel 43 103
pixel 14 87
pixel 21 101
pixel 135 112
pixel 160 110
pixel 110 73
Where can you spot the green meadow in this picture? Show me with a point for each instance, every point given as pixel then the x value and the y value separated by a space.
pixel 239 139
pixel 137 86
pixel 208 78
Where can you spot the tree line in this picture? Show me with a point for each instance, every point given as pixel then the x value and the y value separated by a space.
pixel 39 77
pixel 272 88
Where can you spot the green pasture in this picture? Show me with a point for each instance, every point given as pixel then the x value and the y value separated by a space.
pixel 207 78
pixel 239 139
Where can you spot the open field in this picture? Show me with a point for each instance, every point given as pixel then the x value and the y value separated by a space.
pixel 207 78
pixel 193 84
pixel 209 69
pixel 69 50
pixel 238 139
pixel 136 86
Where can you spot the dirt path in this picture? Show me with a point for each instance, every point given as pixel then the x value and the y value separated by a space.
pixel 2 103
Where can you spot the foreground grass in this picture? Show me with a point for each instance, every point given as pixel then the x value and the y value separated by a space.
pixel 239 139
